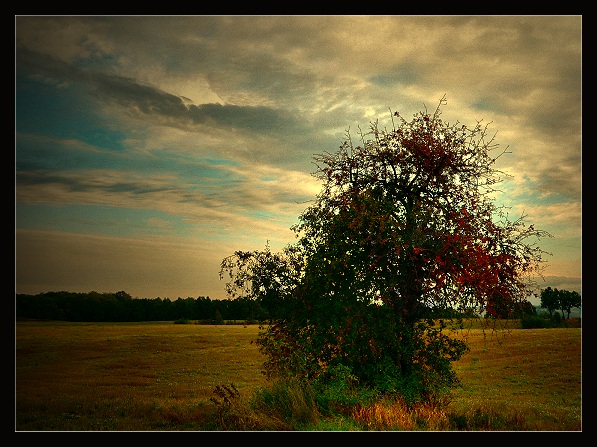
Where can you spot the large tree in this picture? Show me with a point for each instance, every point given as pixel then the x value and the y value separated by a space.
pixel 404 228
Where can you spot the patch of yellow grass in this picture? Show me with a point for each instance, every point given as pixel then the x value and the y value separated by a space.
pixel 127 376
pixel 160 376
pixel 536 373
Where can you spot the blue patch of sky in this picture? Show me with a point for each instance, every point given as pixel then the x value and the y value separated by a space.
pixel 217 169
pixel 221 161
pixel 110 221
pixel 382 80
pixel 402 74
pixel 263 215
pixel 484 104
pixel 530 191
pixel 42 153
pixel 197 171
pixel 62 113
pixel 55 154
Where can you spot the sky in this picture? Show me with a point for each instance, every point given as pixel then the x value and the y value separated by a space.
pixel 149 148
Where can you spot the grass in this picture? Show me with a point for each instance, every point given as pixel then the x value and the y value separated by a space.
pixel 133 376
pixel 532 373
pixel 161 377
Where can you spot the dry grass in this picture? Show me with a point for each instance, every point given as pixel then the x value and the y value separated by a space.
pixel 533 374
pixel 160 376
pixel 397 416
pixel 144 376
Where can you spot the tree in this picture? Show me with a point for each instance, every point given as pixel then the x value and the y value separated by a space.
pixel 502 307
pixel 526 309
pixel 550 300
pixel 568 300
pixel 218 317
pixel 404 226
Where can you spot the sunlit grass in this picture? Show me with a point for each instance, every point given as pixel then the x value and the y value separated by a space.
pixel 161 376
pixel 536 373
pixel 397 416
pixel 127 376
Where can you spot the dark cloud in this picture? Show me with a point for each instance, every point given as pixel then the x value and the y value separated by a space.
pixel 84 182
pixel 403 74
pixel 257 118
pixel 148 100
pixel 44 67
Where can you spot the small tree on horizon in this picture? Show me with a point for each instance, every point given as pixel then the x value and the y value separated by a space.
pixel 564 300
pixel 550 300
pixel 218 317
pixel 568 300
pixel 404 226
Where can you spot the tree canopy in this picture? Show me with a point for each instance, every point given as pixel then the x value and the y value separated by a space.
pixel 564 300
pixel 404 228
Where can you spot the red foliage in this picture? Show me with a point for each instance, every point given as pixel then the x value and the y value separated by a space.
pixel 414 205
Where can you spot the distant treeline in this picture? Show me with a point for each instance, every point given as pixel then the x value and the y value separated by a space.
pixel 120 306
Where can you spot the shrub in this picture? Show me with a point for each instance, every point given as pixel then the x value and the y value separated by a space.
pixel 535 322
pixel 181 321
pixel 286 400
pixel 338 392
pixel 546 321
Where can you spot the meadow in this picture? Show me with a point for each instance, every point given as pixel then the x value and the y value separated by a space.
pixel 161 376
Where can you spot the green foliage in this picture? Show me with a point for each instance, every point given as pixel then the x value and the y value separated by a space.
pixel 96 307
pixel 287 400
pixel 568 300
pixel 549 299
pixel 556 319
pixel 545 320
pixel 338 392
pixel 403 229
pixel 536 322
pixel 218 317
pixel 233 413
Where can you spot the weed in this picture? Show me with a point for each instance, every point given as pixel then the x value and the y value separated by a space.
pixel 226 393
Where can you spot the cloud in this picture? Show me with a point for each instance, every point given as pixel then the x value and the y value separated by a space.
pixel 142 99
pixel 209 123
pixel 261 202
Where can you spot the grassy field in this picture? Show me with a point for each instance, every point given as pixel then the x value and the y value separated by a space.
pixel 534 373
pixel 161 376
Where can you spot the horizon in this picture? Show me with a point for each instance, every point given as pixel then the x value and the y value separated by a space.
pixel 555 282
